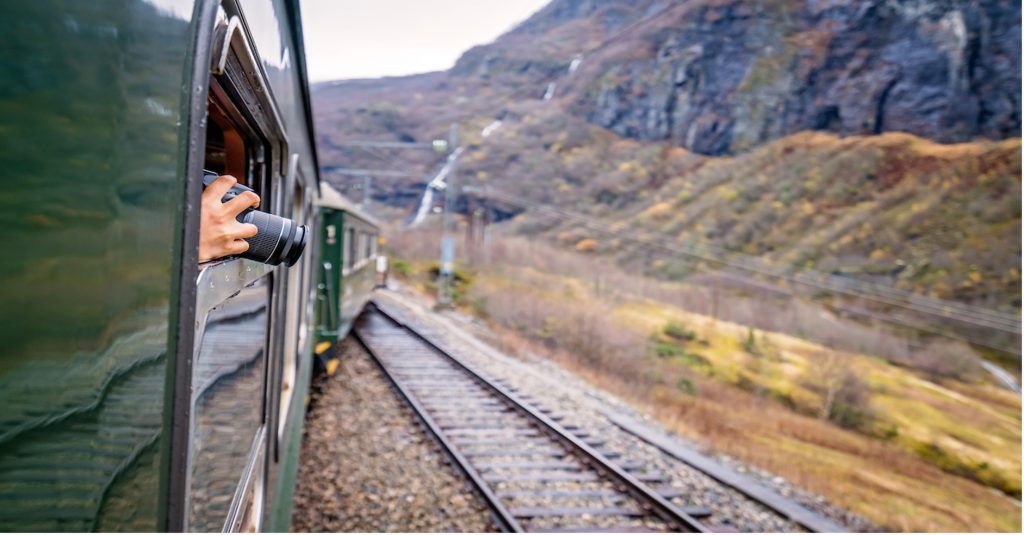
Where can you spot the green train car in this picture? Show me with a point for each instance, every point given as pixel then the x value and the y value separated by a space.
pixel 348 248
pixel 140 390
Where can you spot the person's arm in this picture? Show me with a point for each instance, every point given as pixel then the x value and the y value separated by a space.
pixel 220 234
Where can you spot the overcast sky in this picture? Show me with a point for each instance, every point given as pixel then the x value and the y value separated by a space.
pixel 373 38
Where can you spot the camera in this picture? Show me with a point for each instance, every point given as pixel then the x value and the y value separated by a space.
pixel 279 239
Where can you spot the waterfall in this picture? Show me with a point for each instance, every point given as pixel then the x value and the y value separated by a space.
pixel 1001 375
pixel 550 92
pixel 425 203
pixel 489 129
pixel 436 183
pixel 575 63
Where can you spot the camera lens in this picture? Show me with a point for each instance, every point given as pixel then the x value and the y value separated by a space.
pixel 279 239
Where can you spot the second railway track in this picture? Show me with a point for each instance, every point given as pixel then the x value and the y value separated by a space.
pixel 534 473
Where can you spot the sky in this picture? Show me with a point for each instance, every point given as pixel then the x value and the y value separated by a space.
pixel 374 38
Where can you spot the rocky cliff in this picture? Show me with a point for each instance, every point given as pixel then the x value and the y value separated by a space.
pixel 635 134
pixel 721 76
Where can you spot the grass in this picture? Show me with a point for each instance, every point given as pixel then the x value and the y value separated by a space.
pixel 928 454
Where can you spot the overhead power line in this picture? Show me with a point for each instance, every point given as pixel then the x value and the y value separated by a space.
pixel 388 145
pixel 368 172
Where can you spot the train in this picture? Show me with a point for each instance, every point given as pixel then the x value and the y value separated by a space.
pixel 139 389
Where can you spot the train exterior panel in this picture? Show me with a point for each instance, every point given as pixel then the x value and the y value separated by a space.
pixel 348 241
pixel 139 390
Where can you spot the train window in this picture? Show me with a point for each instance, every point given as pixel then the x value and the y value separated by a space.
pixel 228 143
pixel 235 304
pixel 227 388
pixel 350 248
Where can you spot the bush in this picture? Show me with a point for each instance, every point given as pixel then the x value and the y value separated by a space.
pixel 845 398
pixel 979 472
pixel 479 307
pixel 750 343
pixel 696 360
pixel 678 331
pixel 945 360
pixel 686 386
pixel 851 407
pixel 401 267
pixel 664 349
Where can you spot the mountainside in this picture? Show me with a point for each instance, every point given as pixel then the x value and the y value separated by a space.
pixel 694 121
pixel 718 76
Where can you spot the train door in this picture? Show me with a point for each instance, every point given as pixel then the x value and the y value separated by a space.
pixel 329 286
pixel 227 394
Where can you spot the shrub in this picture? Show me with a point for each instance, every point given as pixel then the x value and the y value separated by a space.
pixel 678 331
pixel 750 343
pixel 845 398
pixel 401 267
pixel 696 360
pixel 945 359
pixel 686 386
pixel 665 349
pixel 851 406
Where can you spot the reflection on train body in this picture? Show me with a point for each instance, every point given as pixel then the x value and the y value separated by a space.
pixel 228 404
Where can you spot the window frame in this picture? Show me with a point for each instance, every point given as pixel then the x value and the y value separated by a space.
pixel 234 72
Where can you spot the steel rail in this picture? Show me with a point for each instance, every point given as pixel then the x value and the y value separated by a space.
pixel 506 522
pixel 650 499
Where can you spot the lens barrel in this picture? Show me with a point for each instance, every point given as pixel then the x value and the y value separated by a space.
pixel 279 239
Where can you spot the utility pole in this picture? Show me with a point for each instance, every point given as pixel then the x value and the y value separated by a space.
pixel 449 224
pixel 366 192
pixel 470 246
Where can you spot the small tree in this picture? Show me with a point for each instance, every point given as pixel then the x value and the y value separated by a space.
pixel 750 343
pixel 678 331
pixel 845 398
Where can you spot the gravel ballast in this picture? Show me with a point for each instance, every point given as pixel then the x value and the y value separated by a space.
pixel 563 393
pixel 368 466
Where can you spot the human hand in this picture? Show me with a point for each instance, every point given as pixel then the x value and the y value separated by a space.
pixel 220 234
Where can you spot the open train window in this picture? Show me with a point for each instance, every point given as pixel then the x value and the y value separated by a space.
pixel 350 248
pixel 228 140
pixel 237 338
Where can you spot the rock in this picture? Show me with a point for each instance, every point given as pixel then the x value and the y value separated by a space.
pixel 721 77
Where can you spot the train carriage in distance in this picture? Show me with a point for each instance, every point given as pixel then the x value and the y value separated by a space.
pixel 348 247
pixel 139 389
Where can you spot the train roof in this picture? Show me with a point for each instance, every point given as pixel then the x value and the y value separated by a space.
pixel 331 198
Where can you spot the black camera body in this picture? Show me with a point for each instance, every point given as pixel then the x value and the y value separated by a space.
pixel 279 239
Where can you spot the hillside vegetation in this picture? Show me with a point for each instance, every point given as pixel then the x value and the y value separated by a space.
pixel 641 156
pixel 909 451
pixel 642 91
pixel 940 220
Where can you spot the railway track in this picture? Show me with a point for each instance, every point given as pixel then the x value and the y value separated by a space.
pixel 534 473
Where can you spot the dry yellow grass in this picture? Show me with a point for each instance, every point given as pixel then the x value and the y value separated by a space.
pixel 761 410
pixel 884 480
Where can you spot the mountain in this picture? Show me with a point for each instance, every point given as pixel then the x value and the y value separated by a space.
pixel 719 77
pixel 877 139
